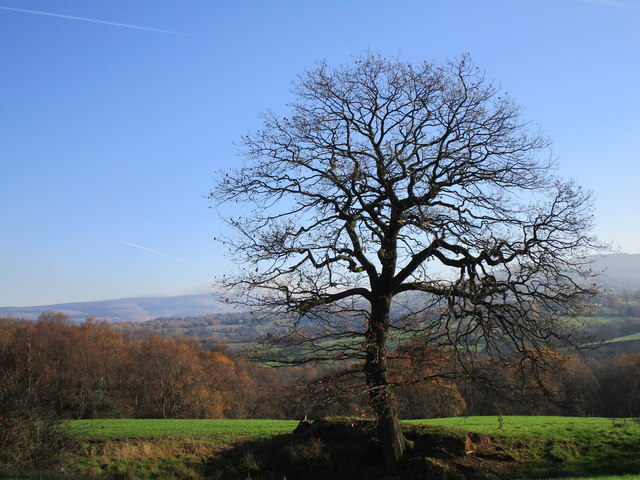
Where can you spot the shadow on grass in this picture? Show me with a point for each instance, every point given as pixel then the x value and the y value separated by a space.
pixel 331 449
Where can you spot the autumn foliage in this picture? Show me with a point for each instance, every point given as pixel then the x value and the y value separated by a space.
pixel 92 370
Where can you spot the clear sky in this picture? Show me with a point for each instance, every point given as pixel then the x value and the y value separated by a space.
pixel 116 115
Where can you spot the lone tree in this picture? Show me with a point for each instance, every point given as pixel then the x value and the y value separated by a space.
pixel 403 203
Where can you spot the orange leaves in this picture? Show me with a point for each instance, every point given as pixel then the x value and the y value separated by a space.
pixel 90 370
pixel 220 358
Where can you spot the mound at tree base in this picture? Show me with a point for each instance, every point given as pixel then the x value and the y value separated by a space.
pixel 349 448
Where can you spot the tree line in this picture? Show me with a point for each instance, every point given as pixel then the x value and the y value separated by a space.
pixel 92 370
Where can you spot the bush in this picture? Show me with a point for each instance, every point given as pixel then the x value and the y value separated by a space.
pixel 31 441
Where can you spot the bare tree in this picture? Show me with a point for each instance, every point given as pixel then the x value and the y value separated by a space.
pixel 406 202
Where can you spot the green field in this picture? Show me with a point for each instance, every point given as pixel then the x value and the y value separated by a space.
pixel 542 447
pixel 509 425
pixel 589 320
pixel 533 425
pixel 561 445
pixel 626 338
pixel 177 427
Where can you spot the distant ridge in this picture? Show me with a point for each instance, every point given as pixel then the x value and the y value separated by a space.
pixel 137 309
pixel 621 272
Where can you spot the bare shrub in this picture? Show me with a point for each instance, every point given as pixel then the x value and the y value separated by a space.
pixel 309 452
pixel 32 441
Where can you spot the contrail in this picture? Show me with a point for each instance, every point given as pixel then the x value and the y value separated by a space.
pixel 92 20
pixel 135 245
pixel 144 248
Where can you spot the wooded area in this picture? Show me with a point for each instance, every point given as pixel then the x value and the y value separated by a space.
pixel 95 371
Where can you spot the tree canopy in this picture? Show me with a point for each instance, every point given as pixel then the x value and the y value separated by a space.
pixel 402 202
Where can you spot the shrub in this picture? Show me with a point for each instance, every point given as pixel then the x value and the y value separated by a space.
pixel 32 441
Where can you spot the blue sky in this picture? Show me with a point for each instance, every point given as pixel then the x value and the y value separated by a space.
pixel 116 115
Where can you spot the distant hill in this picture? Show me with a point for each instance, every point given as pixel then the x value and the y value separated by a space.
pixel 621 272
pixel 138 309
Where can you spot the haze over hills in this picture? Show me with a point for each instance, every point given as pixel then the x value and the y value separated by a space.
pixel 137 309
pixel 621 272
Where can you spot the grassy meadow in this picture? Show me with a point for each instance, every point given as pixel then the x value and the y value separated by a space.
pixel 522 447
pixel 561 445
pixel 543 447
pixel 548 426
pixel 551 426
pixel 177 427
pixel 633 336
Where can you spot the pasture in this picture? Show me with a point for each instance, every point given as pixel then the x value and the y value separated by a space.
pixel 543 446
pixel 549 426
pixel 177 427
pixel 520 448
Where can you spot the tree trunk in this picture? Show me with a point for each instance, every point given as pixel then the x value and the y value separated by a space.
pixel 389 432
pixel 381 397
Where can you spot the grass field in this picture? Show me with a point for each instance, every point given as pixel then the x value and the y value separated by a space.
pixel 177 427
pixel 507 425
pixel 561 445
pixel 533 425
pixel 633 336
pixel 543 447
